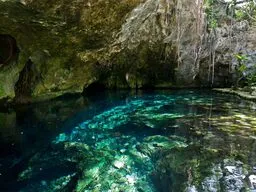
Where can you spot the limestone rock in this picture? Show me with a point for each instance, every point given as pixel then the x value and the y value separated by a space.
pixel 252 179
pixel 119 164
pixel 64 48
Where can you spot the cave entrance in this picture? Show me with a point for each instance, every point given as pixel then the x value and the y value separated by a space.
pixel 94 89
pixel 8 49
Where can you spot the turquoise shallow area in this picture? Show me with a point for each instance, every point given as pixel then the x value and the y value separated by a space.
pixel 193 140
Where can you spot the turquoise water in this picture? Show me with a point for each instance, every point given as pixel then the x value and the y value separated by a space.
pixel 194 140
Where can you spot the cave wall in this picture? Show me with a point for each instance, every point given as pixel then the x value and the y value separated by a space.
pixel 65 47
pixel 64 43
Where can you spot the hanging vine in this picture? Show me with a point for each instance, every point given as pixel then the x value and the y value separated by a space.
pixel 200 32
pixel 183 22
pixel 179 30
pixel 212 23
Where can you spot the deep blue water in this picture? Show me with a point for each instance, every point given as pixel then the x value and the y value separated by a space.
pixel 126 141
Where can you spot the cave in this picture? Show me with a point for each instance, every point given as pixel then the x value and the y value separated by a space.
pixel 94 87
pixel 8 49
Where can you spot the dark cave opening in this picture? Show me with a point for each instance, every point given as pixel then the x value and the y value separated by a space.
pixel 8 49
pixel 94 87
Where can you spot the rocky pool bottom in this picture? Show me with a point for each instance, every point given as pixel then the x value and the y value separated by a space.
pixel 125 142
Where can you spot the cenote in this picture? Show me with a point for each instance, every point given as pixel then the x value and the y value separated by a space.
pixel 125 141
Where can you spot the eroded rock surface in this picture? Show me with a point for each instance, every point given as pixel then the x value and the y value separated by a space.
pixel 64 48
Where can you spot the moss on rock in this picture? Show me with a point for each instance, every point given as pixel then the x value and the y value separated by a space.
pixel 65 43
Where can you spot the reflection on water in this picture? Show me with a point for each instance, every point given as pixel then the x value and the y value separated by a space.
pixel 130 141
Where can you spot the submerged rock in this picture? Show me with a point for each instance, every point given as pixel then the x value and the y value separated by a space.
pixel 191 189
pixel 119 164
pixel 196 152
pixel 234 175
pixel 230 176
pixel 252 180
pixel 212 183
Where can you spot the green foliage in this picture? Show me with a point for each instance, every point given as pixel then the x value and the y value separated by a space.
pixel 241 58
pixel 209 3
pixel 213 24
pixel 211 13
pixel 240 15
pixel 250 79
pixel 1 90
pixel 246 12
pixel 234 10
pixel 242 68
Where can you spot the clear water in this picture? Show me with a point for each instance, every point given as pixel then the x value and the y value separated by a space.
pixel 194 140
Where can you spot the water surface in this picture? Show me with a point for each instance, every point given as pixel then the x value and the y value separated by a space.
pixel 194 140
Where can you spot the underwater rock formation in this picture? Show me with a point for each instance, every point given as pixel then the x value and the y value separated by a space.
pixel 65 48
pixel 168 140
